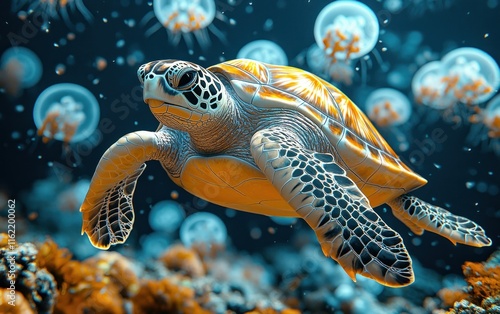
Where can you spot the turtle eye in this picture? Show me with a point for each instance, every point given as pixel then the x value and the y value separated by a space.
pixel 187 79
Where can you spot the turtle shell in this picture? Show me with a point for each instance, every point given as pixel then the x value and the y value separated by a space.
pixel 368 159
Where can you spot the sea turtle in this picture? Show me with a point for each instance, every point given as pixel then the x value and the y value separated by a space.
pixel 272 140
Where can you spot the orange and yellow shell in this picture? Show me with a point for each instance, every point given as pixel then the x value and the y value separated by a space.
pixel 368 159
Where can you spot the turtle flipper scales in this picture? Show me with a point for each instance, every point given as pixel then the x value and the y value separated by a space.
pixel 420 216
pixel 319 190
pixel 108 213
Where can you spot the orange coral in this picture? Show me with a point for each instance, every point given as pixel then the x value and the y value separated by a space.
pixel 4 240
pixel 483 291
pixel 179 257
pixel 14 305
pixel 119 270
pixel 449 296
pixel 83 288
pixel 163 296
pixel 53 259
pixel 484 281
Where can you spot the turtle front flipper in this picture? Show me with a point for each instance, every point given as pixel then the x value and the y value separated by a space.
pixel 420 216
pixel 108 213
pixel 319 190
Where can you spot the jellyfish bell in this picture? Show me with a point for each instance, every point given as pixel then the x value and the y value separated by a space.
pixel 428 87
pixel 184 16
pixel 264 51
pixel 20 68
pixel 166 216
pixel 346 30
pixel 472 74
pixel 391 111
pixel 203 229
pixel 388 107
pixel 185 19
pixel 66 112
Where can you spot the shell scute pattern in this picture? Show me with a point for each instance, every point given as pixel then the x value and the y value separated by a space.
pixel 300 88
pixel 369 160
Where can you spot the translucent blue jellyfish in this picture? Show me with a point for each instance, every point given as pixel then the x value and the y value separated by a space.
pixel 19 68
pixel 185 19
pixel 66 112
pixel 166 216
pixel 429 88
pixel 264 51
pixel 389 109
pixel 464 75
pixel 472 75
pixel 203 229
pixel 316 60
pixel 485 131
pixel 53 9
pixel 346 30
pixel 320 64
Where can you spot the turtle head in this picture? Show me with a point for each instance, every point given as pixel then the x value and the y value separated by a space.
pixel 182 95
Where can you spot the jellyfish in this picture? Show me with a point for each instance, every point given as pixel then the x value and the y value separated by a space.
pixel 321 65
pixel 166 216
pixel 346 30
pixel 428 87
pixel 463 76
pixel 390 110
pixel 53 9
pixel 485 130
pixel 19 68
pixel 472 75
pixel 204 230
pixel 66 112
pixel 185 19
pixel 264 51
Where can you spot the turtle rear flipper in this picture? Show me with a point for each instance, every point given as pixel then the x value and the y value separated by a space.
pixel 108 213
pixel 420 216
pixel 319 190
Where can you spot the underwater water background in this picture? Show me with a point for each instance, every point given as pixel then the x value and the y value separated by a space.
pixel 462 178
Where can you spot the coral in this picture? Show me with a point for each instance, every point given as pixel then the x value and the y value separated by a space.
pixel 179 257
pixel 83 287
pixel 482 294
pixel 119 270
pixel 483 281
pixel 19 272
pixel 53 259
pixel 163 296
pixel 14 304
pixel 450 296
